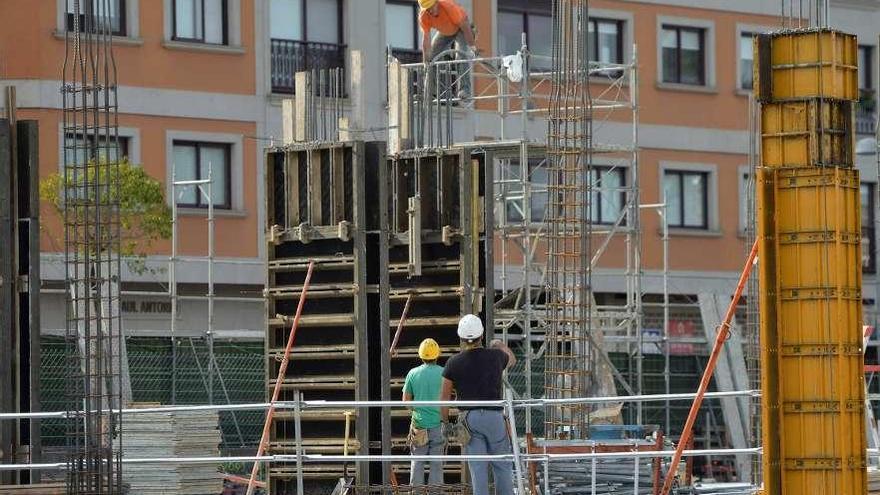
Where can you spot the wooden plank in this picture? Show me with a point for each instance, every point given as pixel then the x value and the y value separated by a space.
pixel 316 188
pixel 303 119
pixel 337 185
pixel 291 168
pixel 40 489
pixel 734 410
pixel 8 298
pixel 288 118
pixel 29 164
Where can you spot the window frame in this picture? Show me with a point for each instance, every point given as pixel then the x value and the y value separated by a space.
pixel 415 9
pixel 703 53
pixel 339 22
pixel 124 143
pixel 739 79
pixel 621 25
pixel 200 203
pixel 524 13
pixel 868 71
pixel 537 188
pixel 600 171
pixel 123 19
pixel 681 173
pixel 224 8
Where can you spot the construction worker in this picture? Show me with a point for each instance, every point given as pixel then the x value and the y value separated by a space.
pixel 475 375
pixel 453 26
pixel 425 434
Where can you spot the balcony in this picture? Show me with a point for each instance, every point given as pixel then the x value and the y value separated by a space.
pixel 291 56
pixel 866 112
pixel 407 56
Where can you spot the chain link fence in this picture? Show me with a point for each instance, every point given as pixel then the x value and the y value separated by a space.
pixel 166 373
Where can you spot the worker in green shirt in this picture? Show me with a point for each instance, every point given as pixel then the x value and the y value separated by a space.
pixel 425 433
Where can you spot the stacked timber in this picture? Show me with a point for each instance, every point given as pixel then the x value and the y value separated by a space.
pixel 167 435
pixel 873 481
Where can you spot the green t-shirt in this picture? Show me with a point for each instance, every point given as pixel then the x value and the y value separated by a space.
pixel 424 383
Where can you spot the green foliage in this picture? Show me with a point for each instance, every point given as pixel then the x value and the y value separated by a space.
pixel 143 214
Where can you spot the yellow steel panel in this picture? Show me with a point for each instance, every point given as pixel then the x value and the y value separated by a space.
pixel 809 132
pixel 809 63
pixel 813 379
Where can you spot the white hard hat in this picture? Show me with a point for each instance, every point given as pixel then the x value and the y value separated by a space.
pixel 470 327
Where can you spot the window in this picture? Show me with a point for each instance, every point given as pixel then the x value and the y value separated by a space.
pixel 608 196
pixel 684 55
pixel 110 11
pixel 402 31
pixel 606 41
pixel 511 189
pixel 539 34
pixel 306 35
pixel 75 149
pixel 746 61
pixel 307 20
pixel 687 201
pixel 192 160
pixel 866 70
pixel 746 201
pixel 869 248
pixel 201 21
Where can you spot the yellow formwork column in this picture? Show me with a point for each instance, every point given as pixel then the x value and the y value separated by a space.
pixel 809 235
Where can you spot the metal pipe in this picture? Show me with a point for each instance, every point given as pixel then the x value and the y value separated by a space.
pixel 279 380
pixel 517 403
pixel 723 334
pixel 210 332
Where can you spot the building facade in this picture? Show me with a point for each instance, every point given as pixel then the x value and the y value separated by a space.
pixel 202 82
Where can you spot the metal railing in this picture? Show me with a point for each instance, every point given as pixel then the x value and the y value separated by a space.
pixel 291 56
pixel 407 56
pixel 866 112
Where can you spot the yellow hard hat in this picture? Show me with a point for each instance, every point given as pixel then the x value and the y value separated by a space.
pixel 429 350
pixel 427 4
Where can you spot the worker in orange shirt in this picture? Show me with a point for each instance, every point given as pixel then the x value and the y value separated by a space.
pixel 453 26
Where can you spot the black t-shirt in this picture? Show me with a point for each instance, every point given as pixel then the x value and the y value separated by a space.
pixel 476 374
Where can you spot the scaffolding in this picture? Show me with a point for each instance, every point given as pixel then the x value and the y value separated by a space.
pixel 425 110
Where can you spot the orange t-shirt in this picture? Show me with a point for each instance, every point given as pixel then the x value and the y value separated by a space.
pixel 449 17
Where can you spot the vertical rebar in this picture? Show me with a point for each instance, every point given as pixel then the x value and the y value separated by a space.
pixel 568 350
pixel 92 251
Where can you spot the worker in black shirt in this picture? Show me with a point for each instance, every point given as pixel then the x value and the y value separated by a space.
pixel 475 374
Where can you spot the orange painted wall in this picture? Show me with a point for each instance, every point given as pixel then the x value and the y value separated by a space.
pixel 721 107
pixel 721 250
pixel 30 49
pixel 234 236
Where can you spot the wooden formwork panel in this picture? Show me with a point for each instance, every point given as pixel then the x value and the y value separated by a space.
pixel 812 361
pixel 451 279
pixel 805 64
pixel 811 132
pixel 312 186
pixel 317 212
pixel 436 179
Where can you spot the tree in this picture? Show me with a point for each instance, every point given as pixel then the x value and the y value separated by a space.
pixel 144 215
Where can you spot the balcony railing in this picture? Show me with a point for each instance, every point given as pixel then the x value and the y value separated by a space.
pixel 291 56
pixel 407 56
pixel 866 112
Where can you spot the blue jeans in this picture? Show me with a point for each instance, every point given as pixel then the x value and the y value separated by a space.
pixel 441 43
pixel 489 436
pixel 435 445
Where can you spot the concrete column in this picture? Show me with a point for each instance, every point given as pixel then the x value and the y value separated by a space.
pixel 365 32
